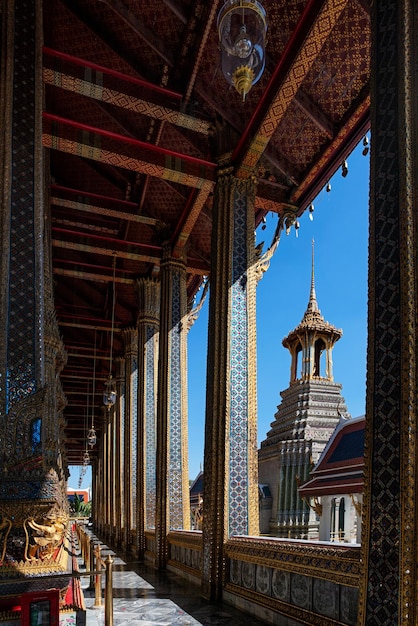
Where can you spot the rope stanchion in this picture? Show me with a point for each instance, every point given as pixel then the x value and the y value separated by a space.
pixel 91 562
pixel 98 578
pixel 109 591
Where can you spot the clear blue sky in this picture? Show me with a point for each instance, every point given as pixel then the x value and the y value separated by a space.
pixel 340 231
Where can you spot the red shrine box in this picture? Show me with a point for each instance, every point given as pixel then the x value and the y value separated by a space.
pixel 40 608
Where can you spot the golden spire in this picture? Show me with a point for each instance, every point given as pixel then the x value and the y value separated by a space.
pixel 313 304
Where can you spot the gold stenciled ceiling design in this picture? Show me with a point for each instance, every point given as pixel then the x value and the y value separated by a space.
pixel 134 102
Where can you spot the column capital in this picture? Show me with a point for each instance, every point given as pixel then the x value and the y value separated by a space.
pixel 148 294
pixel 130 340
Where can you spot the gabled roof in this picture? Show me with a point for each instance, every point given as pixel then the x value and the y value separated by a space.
pixel 197 485
pixel 340 467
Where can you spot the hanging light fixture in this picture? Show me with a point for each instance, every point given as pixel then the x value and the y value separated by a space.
pixel 242 28
pixel 109 394
pixel 91 435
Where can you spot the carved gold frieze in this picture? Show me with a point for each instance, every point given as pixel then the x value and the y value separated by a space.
pixel 339 564
pixel 187 539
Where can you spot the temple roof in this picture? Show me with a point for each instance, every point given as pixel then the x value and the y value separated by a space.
pixel 340 467
pixel 313 320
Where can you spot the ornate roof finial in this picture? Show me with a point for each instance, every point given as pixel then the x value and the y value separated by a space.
pixel 313 304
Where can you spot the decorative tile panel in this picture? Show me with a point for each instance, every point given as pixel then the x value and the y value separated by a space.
pixel 22 306
pixel 150 434
pixel 391 401
pixel 175 476
pixel 238 435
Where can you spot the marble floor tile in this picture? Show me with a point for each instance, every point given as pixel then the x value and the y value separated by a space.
pixel 144 597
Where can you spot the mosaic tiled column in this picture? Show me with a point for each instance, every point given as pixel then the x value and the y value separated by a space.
pixel 32 465
pixel 99 482
pixel 108 472
pixel 148 337
pixel 389 539
pixel 112 462
pixel 130 338
pixel 119 450
pixel 172 490
pixel 230 463
pixel 105 473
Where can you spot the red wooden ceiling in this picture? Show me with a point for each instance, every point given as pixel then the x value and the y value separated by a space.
pixel 133 95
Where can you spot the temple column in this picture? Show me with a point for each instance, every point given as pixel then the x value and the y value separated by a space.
pixel 108 461
pixel 119 467
pixel 105 474
pixel 112 461
pixel 31 352
pixel 130 338
pixel 148 338
pixel 99 480
pixel 388 593
pixel 172 489
pixel 230 461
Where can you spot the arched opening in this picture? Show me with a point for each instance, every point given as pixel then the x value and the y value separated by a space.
pixel 319 355
pixel 296 357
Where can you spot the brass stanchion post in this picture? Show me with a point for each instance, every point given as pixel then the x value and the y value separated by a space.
pixel 91 562
pixel 109 592
pixel 98 579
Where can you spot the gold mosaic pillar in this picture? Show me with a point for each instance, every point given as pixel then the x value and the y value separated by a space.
pixel 172 488
pixel 99 482
pixel 388 593
pixel 32 461
pixel 112 463
pixel 230 462
pixel 130 338
pixel 148 290
pixel 108 475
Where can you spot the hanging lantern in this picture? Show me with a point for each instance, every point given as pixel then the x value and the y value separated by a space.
pixel 109 393
pixel 86 458
pixel 242 28
pixel 91 437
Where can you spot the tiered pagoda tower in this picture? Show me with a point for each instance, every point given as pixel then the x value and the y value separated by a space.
pixel 310 409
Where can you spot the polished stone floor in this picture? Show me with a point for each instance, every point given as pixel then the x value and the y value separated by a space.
pixel 143 597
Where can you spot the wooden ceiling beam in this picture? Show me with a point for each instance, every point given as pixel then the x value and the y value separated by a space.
pixel 101 86
pixel 127 153
pixel 346 139
pixel 188 219
pixel 140 29
pixel 177 10
pixel 96 209
pixel 104 35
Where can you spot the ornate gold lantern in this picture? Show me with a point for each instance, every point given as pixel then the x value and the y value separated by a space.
pixel 242 28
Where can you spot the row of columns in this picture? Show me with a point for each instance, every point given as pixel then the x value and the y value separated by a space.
pixel 144 445
pixel 141 479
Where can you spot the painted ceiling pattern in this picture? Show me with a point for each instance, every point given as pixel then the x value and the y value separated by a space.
pixel 137 113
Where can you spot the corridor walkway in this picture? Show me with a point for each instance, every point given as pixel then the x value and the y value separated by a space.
pixel 144 597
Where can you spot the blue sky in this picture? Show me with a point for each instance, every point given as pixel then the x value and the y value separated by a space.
pixel 340 231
